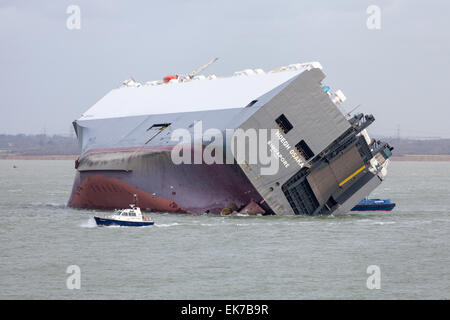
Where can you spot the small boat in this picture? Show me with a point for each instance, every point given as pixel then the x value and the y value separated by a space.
pixel 374 205
pixel 131 217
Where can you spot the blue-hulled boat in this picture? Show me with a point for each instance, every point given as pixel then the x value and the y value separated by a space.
pixel 374 205
pixel 131 217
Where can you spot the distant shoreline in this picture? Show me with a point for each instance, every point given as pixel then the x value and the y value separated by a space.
pixel 421 157
pixel 46 157
pixel 416 158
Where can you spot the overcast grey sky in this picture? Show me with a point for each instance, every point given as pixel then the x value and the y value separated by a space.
pixel 50 75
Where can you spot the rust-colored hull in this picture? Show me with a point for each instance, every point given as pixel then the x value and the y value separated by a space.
pixel 162 186
pixel 101 192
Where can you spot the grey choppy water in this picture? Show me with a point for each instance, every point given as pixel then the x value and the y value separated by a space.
pixel 206 257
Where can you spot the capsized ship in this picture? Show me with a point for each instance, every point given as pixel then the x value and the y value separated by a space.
pixel 328 162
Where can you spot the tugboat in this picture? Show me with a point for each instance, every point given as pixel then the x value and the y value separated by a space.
pixel 131 217
pixel 374 205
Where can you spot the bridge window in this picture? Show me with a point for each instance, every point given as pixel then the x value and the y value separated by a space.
pixel 303 148
pixel 284 123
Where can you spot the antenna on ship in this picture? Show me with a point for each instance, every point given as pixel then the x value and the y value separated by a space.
pixel 197 71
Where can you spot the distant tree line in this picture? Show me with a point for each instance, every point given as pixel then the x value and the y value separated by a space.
pixel 419 146
pixel 41 145
pixel 37 145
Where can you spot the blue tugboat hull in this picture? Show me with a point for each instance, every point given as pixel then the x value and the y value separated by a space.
pixel 112 222
pixel 374 205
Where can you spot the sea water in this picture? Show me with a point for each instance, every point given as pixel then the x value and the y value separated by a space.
pixel 233 257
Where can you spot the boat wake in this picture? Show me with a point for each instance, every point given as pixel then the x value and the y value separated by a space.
pixel 89 223
pixel 166 225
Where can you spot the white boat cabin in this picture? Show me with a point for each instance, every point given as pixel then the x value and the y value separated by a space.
pixel 132 214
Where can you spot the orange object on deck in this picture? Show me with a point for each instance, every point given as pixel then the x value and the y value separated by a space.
pixel 171 77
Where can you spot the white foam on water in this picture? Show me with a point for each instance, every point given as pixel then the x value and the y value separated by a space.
pixel 245 224
pixel 211 224
pixel 89 223
pixel 241 214
pixel 162 225
pixel 383 223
